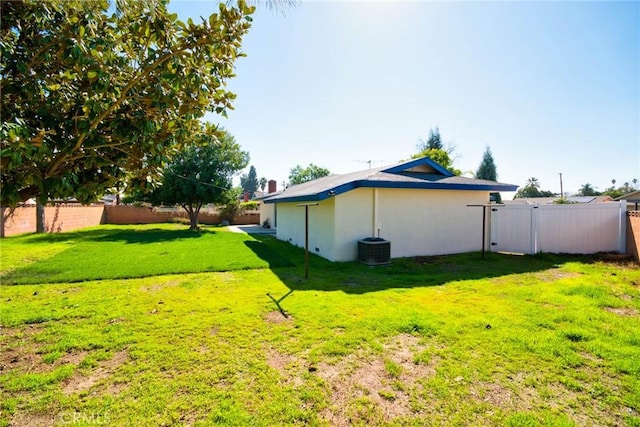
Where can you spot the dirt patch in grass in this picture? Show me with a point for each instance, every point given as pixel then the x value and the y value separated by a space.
pixel 555 274
pixel 160 286
pixel 623 311
pixel 18 351
pixel 516 396
pixel 277 317
pixel 32 420
pixel 371 388
pixel 23 359
pixel 290 367
pixel 105 369
pixel 520 393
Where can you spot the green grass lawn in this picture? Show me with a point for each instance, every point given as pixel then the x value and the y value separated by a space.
pixel 456 340
pixel 111 252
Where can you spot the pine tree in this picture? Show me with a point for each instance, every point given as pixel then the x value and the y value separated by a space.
pixel 434 142
pixel 249 182
pixel 487 168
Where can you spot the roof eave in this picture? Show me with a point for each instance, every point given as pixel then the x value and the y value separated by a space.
pixel 435 185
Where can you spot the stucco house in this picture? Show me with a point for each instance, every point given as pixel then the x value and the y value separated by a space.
pixel 417 205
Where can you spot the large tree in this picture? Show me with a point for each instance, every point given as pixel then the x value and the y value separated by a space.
pixel 298 174
pixel 201 173
pixel 587 190
pixel 93 94
pixel 249 182
pixel 532 189
pixel 615 192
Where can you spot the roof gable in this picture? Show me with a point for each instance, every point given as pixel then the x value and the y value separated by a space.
pixel 421 165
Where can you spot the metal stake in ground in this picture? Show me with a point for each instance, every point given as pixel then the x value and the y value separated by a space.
pixel 278 301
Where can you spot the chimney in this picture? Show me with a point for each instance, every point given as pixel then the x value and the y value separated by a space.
pixel 272 186
pixel 246 196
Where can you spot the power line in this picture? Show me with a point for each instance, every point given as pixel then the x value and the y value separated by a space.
pixel 186 178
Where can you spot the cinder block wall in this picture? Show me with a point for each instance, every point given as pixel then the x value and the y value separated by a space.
pixel 57 218
pixel 71 217
pixel 633 234
pixel 141 215
pixel 136 215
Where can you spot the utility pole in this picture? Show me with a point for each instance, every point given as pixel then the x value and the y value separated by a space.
pixel 561 190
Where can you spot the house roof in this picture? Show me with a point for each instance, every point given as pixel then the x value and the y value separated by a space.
pixel 633 196
pixel 422 173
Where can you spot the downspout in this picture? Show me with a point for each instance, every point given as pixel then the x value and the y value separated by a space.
pixel 375 231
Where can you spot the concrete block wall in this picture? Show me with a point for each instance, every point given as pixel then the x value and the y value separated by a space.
pixel 142 215
pixel 68 217
pixel 57 218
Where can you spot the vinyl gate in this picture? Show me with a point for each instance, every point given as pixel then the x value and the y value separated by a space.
pixel 563 228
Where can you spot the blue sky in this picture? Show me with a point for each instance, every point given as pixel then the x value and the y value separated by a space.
pixel 550 86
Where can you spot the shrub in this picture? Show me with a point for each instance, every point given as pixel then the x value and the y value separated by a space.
pixel 230 210
pixel 251 205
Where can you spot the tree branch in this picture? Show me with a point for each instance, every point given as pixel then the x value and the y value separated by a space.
pixel 53 167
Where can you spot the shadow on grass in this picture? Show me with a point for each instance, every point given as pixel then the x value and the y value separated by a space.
pixel 153 235
pixel 150 235
pixel 268 254
pixel 358 278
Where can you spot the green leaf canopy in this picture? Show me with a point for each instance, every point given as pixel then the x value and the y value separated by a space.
pixel 91 96
pixel 201 173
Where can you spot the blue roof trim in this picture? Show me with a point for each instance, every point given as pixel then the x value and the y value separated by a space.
pixel 418 162
pixel 431 185
pixel 435 185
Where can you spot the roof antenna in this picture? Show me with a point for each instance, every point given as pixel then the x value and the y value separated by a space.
pixel 369 162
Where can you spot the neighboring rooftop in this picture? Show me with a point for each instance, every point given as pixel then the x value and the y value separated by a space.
pixel 634 196
pixel 422 173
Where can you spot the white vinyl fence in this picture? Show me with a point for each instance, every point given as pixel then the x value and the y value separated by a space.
pixel 563 228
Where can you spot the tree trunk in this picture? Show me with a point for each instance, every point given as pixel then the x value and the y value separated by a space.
pixel 40 220
pixel 193 219
pixel 3 219
pixel 193 215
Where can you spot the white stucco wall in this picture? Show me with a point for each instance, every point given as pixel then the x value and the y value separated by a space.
pixel 354 221
pixel 268 211
pixel 430 222
pixel 321 227
pixel 416 222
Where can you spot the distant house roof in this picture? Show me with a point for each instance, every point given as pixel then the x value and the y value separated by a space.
pixel 422 173
pixel 551 200
pixel 266 195
pixel 633 196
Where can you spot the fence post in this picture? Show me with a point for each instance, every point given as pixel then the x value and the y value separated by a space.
pixel 622 227
pixel 535 228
